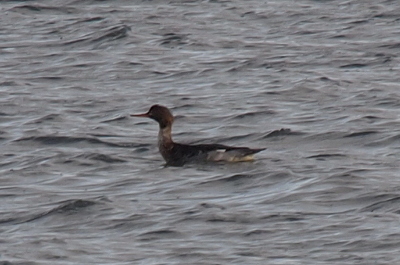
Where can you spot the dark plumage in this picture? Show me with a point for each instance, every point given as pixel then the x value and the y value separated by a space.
pixel 178 154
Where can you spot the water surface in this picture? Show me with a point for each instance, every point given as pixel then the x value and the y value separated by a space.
pixel 315 82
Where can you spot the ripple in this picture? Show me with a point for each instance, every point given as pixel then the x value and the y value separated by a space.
pixel 314 82
pixel 360 134
pixel 70 206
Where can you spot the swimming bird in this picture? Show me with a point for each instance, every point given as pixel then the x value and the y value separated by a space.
pixel 176 154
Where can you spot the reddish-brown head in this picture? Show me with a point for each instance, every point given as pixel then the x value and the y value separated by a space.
pixel 160 114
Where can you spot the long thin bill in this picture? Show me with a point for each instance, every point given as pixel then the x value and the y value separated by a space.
pixel 146 115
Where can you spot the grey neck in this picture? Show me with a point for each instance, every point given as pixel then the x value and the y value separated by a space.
pixel 164 136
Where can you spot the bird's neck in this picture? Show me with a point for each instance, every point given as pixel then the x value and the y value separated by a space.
pixel 164 137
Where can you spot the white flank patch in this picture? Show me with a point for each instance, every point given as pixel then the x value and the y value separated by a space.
pixel 247 158
pixel 231 156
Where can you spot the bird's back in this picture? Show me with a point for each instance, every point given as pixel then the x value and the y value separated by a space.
pixel 182 153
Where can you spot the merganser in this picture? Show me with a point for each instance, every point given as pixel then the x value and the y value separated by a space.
pixel 178 154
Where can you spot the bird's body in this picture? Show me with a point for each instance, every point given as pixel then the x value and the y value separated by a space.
pixel 176 154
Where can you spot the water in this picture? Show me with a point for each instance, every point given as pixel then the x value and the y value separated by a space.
pixel 315 82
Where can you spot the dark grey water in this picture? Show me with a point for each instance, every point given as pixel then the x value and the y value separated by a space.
pixel 81 182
